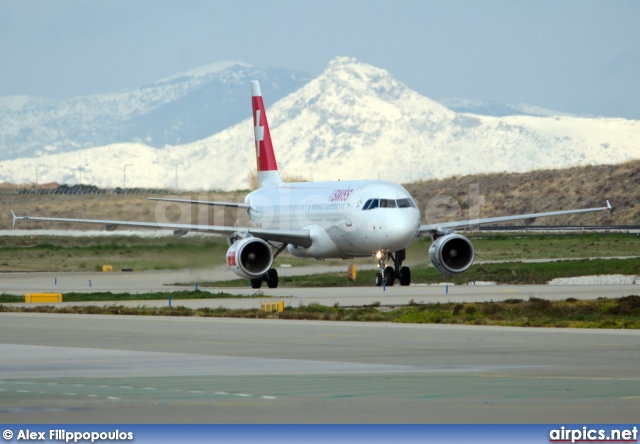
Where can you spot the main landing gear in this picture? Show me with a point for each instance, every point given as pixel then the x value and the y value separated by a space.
pixel 271 276
pixel 387 274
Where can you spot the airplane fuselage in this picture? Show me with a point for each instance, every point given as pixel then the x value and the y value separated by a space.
pixel 345 218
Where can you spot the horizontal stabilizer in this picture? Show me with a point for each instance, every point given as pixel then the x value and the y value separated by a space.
pixel 201 202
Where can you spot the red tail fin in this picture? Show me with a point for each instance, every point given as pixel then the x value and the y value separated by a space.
pixel 265 157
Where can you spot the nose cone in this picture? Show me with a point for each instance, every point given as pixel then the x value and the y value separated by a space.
pixel 401 228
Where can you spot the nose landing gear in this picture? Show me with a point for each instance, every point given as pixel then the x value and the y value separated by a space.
pixel 387 274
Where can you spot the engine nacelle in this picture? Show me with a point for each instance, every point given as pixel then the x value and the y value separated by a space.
pixel 451 254
pixel 250 257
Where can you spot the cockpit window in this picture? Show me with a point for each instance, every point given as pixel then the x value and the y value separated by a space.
pixel 387 203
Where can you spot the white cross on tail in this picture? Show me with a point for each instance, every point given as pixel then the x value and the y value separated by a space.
pixel 259 130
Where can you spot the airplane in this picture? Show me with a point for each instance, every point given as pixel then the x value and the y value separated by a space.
pixel 320 220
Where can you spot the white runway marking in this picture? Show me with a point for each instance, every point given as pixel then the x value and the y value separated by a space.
pixel 132 388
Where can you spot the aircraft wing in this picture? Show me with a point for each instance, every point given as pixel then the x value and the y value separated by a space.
pixel 201 202
pixel 294 237
pixel 432 228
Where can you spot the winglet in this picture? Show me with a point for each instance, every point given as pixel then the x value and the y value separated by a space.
pixel 255 89
pixel 15 218
pixel 609 208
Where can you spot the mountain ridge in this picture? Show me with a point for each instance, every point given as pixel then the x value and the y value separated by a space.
pixel 179 109
pixel 354 121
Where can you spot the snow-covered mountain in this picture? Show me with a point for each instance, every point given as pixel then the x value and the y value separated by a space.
pixel 354 121
pixel 499 109
pixel 176 110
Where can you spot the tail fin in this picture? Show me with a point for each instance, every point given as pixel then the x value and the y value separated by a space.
pixel 265 157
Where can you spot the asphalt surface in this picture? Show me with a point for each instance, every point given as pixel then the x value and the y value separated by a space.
pixel 57 368
pixel 112 369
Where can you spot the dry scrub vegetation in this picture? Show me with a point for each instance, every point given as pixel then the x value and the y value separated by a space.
pixel 547 190
pixel 119 207
pixel 503 193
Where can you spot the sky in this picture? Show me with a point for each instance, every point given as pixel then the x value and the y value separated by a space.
pixel 574 56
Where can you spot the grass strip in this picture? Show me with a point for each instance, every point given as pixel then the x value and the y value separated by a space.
pixel 66 253
pixel 617 313
pixel 108 296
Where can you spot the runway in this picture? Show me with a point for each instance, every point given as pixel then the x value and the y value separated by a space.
pixel 152 281
pixel 111 369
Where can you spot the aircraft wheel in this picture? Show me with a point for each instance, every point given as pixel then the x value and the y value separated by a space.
pixel 256 283
pixel 390 275
pixel 378 279
pixel 272 278
pixel 405 276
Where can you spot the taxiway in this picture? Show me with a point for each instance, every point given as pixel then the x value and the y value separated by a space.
pixel 164 281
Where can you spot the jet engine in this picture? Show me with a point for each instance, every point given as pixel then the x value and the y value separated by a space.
pixel 250 257
pixel 451 254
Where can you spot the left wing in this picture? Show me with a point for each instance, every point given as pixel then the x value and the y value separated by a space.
pixel 432 228
pixel 300 238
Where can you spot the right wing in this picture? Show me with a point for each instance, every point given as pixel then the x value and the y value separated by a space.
pixel 428 229
pixel 300 238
